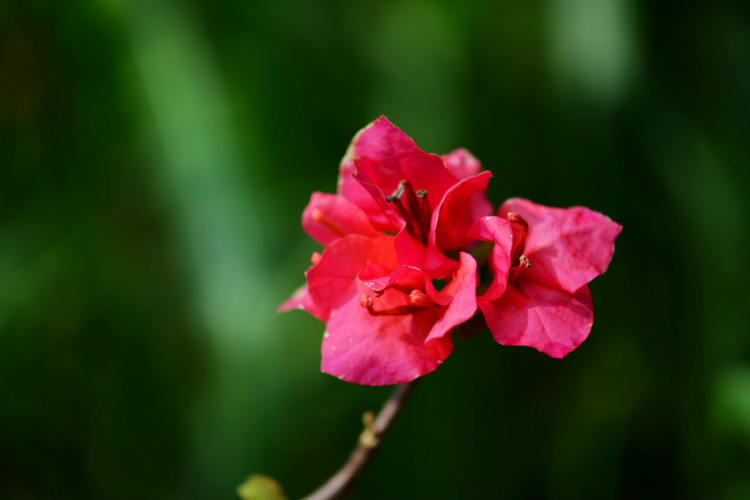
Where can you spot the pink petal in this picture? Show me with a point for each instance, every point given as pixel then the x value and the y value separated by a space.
pixel 498 231
pixel 382 155
pixel 462 163
pixel 548 319
pixel 463 204
pixel 355 192
pixel 328 217
pixel 301 299
pixel 334 279
pixel 461 292
pixel 406 277
pixel 382 213
pixel 380 350
pixel 567 248
pixel 413 252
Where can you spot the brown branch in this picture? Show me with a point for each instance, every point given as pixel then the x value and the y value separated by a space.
pixel 369 440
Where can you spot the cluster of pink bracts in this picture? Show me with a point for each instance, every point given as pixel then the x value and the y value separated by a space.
pixel 396 277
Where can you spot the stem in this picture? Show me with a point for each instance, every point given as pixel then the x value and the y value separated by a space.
pixel 369 440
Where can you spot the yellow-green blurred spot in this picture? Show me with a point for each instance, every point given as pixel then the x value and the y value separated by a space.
pixel 260 487
pixel 731 407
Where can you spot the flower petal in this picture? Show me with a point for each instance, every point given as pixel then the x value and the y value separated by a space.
pixel 413 252
pixel 371 199
pixel 461 292
pixel 406 277
pixel 567 248
pixel 379 350
pixel 462 163
pixel 328 217
pixel 381 155
pixel 548 319
pixel 301 299
pixel 462 204
pixel 498 231
pixel 334 279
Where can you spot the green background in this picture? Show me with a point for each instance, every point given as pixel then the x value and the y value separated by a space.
pixel 155 158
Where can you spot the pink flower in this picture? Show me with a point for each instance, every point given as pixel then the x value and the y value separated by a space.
pixel 388 232
pixel 542 260
pixel 386 323
pixel 397 212
pixel 428 201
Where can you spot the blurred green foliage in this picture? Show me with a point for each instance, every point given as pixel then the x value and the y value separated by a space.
pixel 155 158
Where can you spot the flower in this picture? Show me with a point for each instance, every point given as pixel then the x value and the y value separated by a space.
pixel 401 222
pixel 386 323
pixel 542 260
pixel 428 201
pixel 387 232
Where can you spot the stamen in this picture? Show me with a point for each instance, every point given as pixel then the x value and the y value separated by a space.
pixel 520 229
pixel 366 302
pixel 315 259
pixel 515 272
pixel 397 193
pixel 412 206
pixel 318 216
pixel 524 261
pixel 425 215
pixel 518 261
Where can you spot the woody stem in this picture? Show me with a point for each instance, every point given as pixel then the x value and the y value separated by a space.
pixel 338 484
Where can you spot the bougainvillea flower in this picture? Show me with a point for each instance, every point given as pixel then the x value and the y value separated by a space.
pixel 429 202
pixel 386 323
pixel 542 260
pixel 398 212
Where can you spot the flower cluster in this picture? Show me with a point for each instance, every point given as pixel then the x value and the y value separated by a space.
pixel 396 276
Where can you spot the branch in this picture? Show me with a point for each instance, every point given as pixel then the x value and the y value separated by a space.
pixel 375 430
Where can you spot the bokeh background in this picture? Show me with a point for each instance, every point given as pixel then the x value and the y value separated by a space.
pixel 155 158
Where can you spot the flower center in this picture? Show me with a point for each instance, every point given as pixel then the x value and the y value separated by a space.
pixel 413 207
pixel 419 300
pixel 518 261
